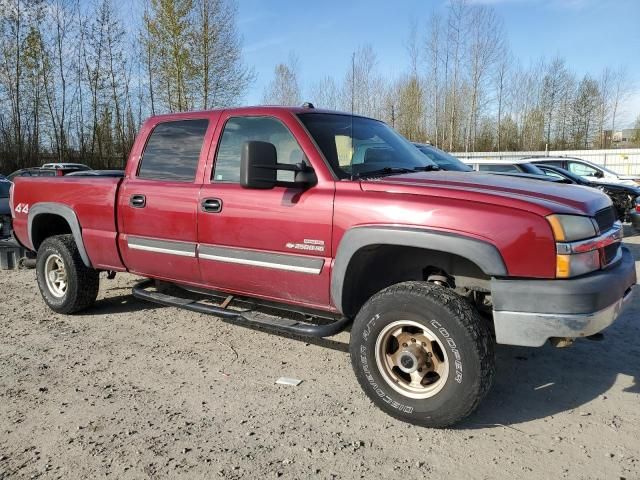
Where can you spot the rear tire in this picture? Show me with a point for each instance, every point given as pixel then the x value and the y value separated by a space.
pixel 66 284
pixel 422 354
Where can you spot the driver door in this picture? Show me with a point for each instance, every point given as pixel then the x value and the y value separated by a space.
pixel 273 243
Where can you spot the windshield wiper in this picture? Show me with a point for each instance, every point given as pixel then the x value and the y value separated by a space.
pixel 427 168
pixel 382 171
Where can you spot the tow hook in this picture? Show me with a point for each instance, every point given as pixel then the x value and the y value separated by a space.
pixel 111 274
pixel 562 342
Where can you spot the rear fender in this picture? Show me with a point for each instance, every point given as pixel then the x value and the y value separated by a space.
pixel 68 215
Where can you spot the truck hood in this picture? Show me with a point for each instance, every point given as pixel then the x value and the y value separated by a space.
pixel 536 196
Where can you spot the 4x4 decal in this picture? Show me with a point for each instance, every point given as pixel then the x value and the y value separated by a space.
pixel 22 208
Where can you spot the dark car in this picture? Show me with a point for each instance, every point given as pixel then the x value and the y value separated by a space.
pixel 444 160
pixel 34 172
pixel 623 196
pixel 515 166
pixel 590 171
pixel 5 210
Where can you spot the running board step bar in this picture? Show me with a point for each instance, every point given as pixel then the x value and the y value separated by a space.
pixel 247 317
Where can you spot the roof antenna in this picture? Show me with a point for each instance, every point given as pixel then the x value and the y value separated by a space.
pixel 307 105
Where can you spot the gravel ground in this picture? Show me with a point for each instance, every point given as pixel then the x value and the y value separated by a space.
pixel 134 390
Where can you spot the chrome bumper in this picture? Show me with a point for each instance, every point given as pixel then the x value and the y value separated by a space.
pixel 534 329
pixel 528 312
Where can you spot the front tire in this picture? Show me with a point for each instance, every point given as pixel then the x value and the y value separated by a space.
pixel 66 284
pixel 422 354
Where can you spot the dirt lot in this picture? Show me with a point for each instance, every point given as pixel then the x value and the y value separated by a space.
pixel 131 390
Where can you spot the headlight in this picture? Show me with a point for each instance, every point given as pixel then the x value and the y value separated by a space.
pixel 569 228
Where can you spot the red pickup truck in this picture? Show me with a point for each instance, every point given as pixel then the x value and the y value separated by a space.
pixel 333 220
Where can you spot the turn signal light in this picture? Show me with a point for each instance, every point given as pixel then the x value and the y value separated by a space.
pixel 563 266
pixel 577 264
pixel 556 226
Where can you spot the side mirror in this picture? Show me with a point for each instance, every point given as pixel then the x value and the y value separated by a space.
pixel 258 165
pixel 259 168
pixel 599 174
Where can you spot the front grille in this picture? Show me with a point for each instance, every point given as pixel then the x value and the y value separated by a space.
pixel 605 218
pixel 609 253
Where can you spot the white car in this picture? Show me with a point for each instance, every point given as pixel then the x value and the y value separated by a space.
pixel 586 169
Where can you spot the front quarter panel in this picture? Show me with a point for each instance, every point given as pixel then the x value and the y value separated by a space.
pixel 524 239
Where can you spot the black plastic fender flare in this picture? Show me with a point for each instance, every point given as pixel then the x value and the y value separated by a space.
pixel 482 253
pixel 65 212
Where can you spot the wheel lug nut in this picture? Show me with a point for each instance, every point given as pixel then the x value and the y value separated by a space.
pixel 424 344
pixel 420 369
pixel 413 340
pixel 405 345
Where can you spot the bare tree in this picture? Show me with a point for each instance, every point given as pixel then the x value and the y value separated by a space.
pixel 221 77
pixel 326 94
pixel 604 105
pixel 621 87
pixel 59 43
pixel 553 88
pixel 585 109
pixel 485 44
pixel 284 89
pixel 364 87
pixel 433 59
pixel 457 18
pixel 500 79
pixel 410 110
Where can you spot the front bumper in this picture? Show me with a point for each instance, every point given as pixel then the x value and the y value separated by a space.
pixel 529 312
pixel 635 219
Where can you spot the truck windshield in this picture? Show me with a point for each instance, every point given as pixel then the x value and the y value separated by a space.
pixel 358 147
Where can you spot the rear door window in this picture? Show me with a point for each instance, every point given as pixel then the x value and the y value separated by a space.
pixel 173 151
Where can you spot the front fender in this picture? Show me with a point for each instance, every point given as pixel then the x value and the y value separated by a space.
pixel 485 255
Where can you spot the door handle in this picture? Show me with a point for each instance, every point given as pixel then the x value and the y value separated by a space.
pixel 211 205
pixel 138 201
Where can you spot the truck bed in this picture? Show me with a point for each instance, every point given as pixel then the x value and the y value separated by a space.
pixel 92 198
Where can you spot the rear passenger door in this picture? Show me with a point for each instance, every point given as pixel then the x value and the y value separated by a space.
pixel 158 201
pixel 272 243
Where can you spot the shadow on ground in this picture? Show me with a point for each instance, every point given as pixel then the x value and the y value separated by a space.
pixel 126 303
pixel 535 383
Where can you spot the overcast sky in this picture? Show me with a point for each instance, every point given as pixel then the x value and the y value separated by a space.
pixel 589 34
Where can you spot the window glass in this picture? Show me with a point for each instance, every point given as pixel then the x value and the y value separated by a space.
pixel 498 168
pixel 582 169
pixel 551 173
pixel 239 130
pixel 173 151
pixel 555 163
pixel 357 146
